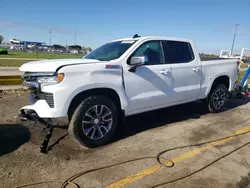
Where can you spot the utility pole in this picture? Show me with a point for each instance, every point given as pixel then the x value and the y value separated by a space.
pixel 236 27
pixel 66 41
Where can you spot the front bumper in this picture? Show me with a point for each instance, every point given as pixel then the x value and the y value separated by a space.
pixel 46 101
pixel 43 110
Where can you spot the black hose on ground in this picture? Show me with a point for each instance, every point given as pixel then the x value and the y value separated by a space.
pixel 157 157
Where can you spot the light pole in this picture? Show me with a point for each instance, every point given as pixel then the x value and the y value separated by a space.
pixel 66 47
pixel 50 35
pixel 75 36
pixel 236 27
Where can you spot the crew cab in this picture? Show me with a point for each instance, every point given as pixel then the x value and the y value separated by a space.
pixel 122 78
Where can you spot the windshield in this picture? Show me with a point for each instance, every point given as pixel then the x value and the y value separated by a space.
pixel 110 51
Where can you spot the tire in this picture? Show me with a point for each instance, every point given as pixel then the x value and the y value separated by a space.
pixel 217 98
pixel 85 122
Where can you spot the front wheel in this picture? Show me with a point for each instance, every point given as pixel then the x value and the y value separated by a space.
pixel 217 98
pixel 94 121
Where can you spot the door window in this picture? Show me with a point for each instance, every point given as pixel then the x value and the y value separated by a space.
pixel 152 50
pixel 177 52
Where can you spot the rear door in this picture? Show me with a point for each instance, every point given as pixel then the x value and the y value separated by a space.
pixel 186 70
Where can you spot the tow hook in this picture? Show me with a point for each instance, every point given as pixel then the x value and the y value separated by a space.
pixel 32 116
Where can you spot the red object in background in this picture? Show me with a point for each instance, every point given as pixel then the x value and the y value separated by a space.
pixel 238 62
pixel 247 94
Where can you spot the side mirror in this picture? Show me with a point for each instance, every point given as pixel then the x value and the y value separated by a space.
pixel 137 61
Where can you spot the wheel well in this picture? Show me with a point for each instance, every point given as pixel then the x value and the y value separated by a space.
pixel 110 93
pixel 221 80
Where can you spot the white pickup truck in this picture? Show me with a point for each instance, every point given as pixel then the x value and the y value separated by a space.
pixel 125 77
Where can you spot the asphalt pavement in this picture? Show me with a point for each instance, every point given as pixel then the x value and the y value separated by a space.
pixel 144 135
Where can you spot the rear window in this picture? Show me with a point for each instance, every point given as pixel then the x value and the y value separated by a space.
pixel 177 52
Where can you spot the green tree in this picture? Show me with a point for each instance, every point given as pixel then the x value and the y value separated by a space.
pixel 75 47
pixel 1 38
pixel 89 49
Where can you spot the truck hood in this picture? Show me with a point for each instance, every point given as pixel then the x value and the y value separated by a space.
pixel 52 65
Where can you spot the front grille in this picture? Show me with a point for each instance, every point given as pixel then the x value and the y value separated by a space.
pixel 36 94
pixel 30 79
pixel 34 88
pixel 49 98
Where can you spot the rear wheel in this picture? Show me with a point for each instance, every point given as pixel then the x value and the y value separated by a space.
pixel 94 121
pixel 217 98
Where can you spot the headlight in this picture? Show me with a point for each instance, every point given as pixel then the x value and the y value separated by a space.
pixel 52 79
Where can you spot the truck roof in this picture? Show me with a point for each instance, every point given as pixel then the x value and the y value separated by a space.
pixel 154 37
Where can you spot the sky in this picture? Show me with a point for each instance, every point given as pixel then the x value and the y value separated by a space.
pixel 210 24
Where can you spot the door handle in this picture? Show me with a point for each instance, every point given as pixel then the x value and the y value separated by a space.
pixel 165 72
pixel 196 69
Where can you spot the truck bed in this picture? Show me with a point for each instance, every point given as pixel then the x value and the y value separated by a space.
pixel 212 68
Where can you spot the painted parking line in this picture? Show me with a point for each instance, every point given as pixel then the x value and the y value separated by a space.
pixel 178 159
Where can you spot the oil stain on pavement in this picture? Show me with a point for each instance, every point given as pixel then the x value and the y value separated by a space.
pixel 202 133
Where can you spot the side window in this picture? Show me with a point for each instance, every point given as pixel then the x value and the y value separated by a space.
pixel 177 52
pixel 152 50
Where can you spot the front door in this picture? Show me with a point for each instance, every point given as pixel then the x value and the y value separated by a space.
pixel 150 85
